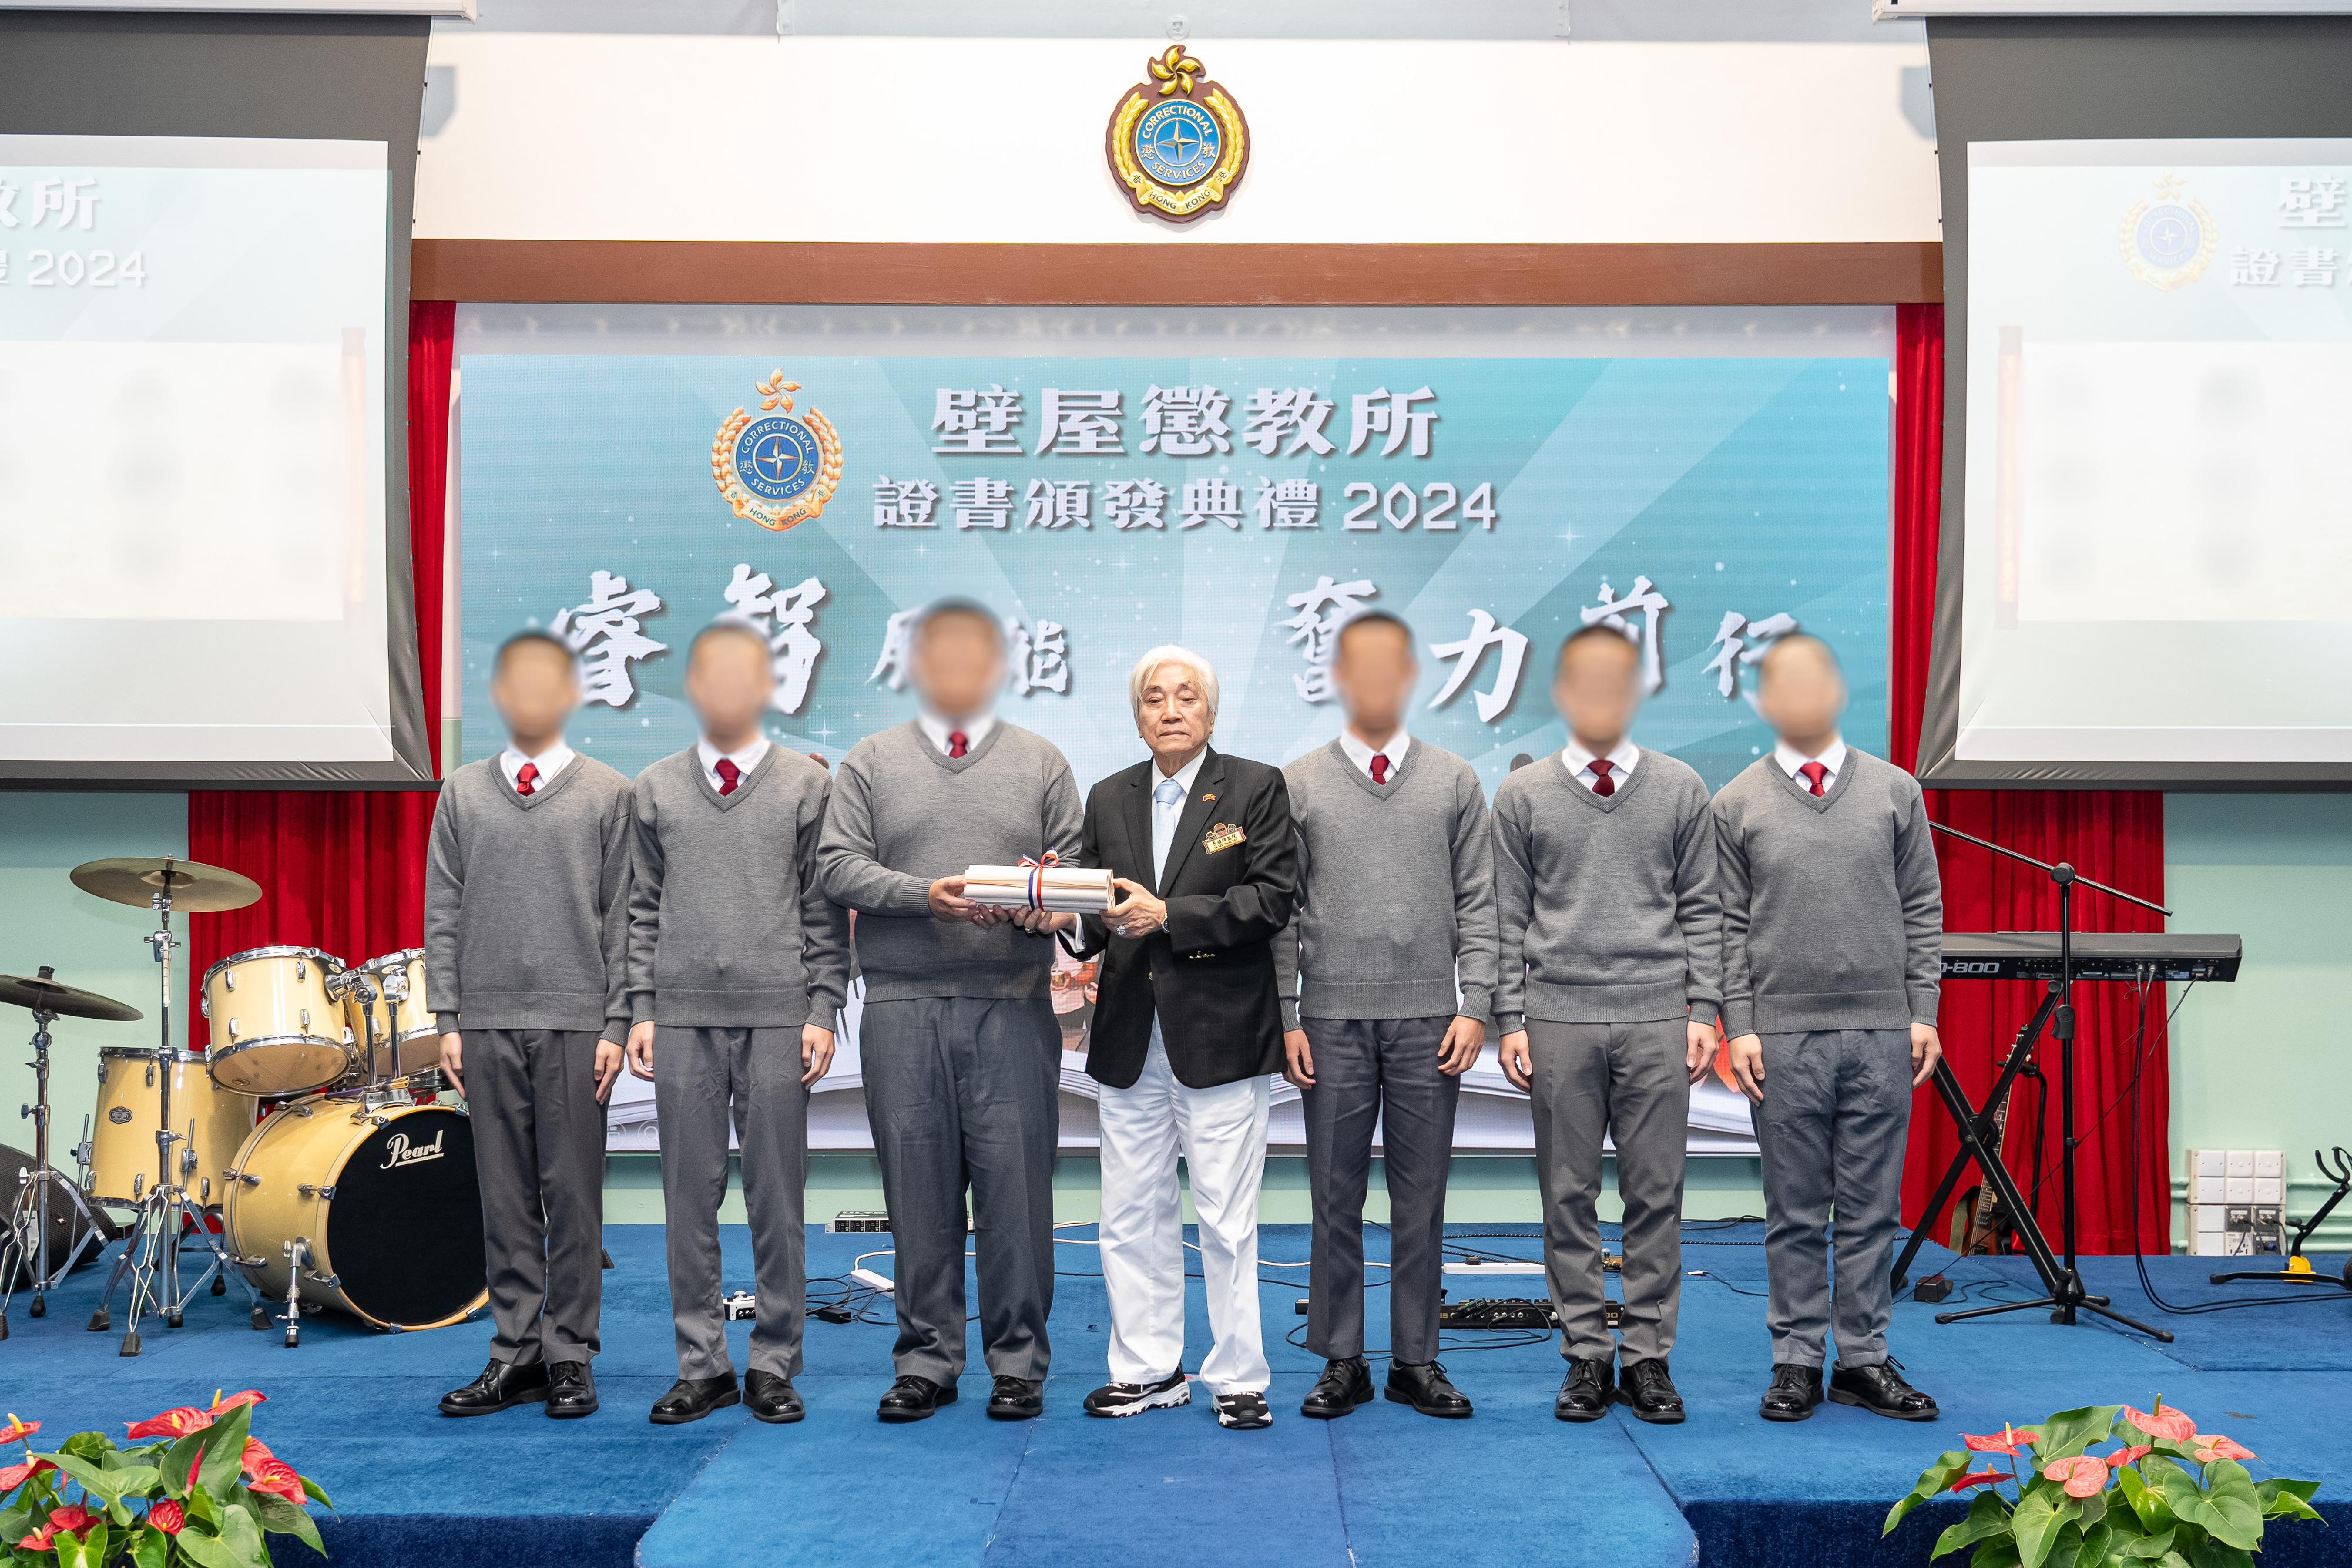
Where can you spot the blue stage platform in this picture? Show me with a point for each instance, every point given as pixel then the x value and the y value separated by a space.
pixel 1381 1489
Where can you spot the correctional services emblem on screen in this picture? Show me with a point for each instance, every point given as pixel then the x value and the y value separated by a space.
pixel 2169 242
pixel 1177 141
pixel 779 469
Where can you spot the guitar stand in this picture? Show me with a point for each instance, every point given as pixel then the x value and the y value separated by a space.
pixel 2298 1269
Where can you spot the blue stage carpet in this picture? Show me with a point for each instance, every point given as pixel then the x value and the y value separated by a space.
pixel 1381 1489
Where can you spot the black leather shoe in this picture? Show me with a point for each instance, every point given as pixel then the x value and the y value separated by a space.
pixel 1017 1399
pixel 913 1398
pixel 1795 1391
pixel 1346 1383
pixel 692 1398
pixel 1880 1389
pixel 1584 1392
pixel 1646 1386
pixel 771 1398
pixel 1427 1389
pixel 502 1383
pixel 571 1391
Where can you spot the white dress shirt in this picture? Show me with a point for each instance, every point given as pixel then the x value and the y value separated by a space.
pixel 745 760
pixel 1168 793
pixel 975 730
pixel 1832 759
pixel 550 762
pixel 1361 755
pixel 1578 762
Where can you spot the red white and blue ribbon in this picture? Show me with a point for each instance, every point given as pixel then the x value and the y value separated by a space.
pixel 1036 868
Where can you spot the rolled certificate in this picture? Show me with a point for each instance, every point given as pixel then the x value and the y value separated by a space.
pixel 1062 889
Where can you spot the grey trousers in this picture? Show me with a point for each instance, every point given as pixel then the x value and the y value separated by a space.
pixel 964 1093
pixel 1592 1081
pixel 538 1153
pixel 1384 1070
pixel 1836 1111
pixel 705 1080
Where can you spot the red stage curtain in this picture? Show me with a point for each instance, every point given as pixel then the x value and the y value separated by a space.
pixel 2114 836
pixel 343 870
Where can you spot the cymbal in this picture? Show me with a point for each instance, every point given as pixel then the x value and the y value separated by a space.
pixel 196 888
pixel 46 996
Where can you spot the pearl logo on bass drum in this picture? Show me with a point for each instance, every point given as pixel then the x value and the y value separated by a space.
pixel 398 1152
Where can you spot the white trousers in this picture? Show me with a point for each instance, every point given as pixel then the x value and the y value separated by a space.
pixel 1221 1133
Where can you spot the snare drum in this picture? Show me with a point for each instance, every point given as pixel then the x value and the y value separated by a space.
pixel 383 1204
pixel 418 1045
pixel 211 1121
pixel 275 1029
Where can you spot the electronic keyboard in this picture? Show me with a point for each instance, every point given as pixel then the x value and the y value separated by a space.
pixel 2098 956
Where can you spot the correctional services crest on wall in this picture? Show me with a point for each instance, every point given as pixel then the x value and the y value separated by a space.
pixel 2167 243
pixel 1177 141
pixel 779 469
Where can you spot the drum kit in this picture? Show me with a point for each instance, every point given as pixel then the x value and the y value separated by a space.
pixel 303 1152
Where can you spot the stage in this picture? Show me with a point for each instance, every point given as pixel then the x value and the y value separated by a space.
pixel 1381 1489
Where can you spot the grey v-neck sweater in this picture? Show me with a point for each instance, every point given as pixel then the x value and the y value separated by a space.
pixel 906 814
pixel 1833 908
pixel 1608 906
pixel 1396 890
pixel 526 900
pixel 728 925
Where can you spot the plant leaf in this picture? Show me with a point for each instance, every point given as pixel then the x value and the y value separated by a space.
pixel 2226 1507
pixel 2215 1554
pixel 1998 1553
pixel 180 1463
pixel 2066 1549
pixel 2280 1499
pixel 102 1484
pixel 281 1517
pixel 91 1445
pixel 241 1536
pixel 2072 1432
pixel 2041 1513
pixel 2146 1547
pixel 1988 1517
pixel 1931 1483
pixel 207 1551
pixel 150 1547
pixel 223 1443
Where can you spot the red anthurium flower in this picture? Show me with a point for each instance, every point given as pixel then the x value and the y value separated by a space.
pixel 2172 1425
pixel 18 1430
pixel 167 1516
pixel 2209 1449
pixel 255 1453
pixel 174 1423
pixel 2130 1456
pixel 249 1396
pixel 74 1518
pixel 2008 1440
pixel 39 1540
pixel 1981 1478
pixel 278 1478
pixel 2082 1475
pixel 16 1476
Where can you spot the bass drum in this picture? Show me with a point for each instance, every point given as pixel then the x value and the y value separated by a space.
pixel 383 1206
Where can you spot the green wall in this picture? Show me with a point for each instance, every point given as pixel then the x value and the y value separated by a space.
pixel 2259 1064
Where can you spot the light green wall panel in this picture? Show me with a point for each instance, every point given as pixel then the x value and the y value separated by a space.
pixel 98 946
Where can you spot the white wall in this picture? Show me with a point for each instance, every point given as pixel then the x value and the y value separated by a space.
pixel 564 136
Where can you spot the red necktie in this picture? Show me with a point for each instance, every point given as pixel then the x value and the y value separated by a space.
pixel 1814 773
pixel 525 778
pixel 959 743
pixel 728 775
pixel 1602 783
pixel 1379 768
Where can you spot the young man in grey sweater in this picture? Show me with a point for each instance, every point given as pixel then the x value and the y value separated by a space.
pixel 1611 977
pixel 1833 919
pixel 526 892
pixel 738 965
pixel 1396 910
pixel 960 1052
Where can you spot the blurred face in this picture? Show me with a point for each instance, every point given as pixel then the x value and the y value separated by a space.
pixel 535 688
pixel 959 665
pixel 730 683
pixel 1801 694
pixel 1375 671
pixel 1598 688
pixel 1173 715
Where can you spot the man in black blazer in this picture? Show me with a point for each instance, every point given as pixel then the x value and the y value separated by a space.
pixel 1187 1033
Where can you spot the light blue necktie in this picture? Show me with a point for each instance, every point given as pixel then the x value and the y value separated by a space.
pixel 1167 805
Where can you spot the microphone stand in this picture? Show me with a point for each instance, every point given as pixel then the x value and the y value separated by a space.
pixel 2067 1294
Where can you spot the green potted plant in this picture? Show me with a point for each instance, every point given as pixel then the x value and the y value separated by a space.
pixel 199 1491
pixel 2165 1496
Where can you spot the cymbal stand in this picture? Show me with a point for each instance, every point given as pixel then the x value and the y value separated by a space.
pixel 150 1258
pixel 27 1247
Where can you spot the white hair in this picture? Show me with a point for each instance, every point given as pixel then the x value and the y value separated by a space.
pixel 1204 675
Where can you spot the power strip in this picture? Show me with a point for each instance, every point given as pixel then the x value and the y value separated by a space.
pixel 1501 1312
pixel 857 1221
